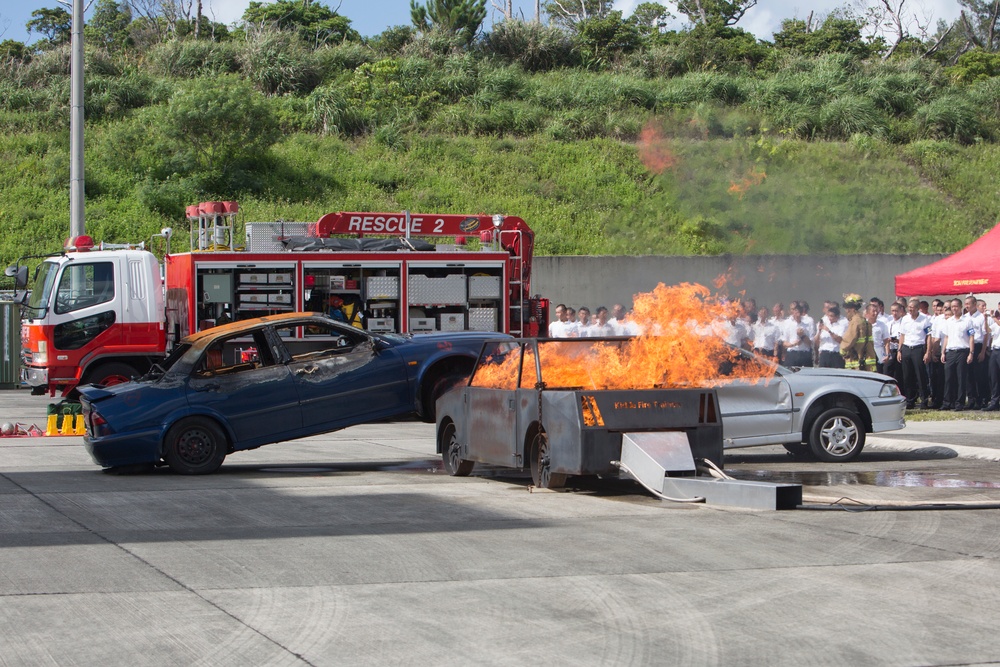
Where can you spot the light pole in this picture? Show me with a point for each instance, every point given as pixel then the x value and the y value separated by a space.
pixel 76 192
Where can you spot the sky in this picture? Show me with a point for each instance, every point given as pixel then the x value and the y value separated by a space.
pixel 371 17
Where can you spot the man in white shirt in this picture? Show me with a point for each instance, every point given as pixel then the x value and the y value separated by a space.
pixel 993 363
pixel 831 332
pixel 617 320
pixel 796 338
pixel 766 336
pixel 602 327
pixel 583 322
pixel 935 369
pixel 956 353
pixel 562 327
pixel 892 367
pixel 979 381
pixel 914 329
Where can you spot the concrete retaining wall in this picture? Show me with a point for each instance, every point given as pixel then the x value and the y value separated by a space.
pixel 596 281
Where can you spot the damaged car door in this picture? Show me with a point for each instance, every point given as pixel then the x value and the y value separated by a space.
pixel 343 377
pixel 256 396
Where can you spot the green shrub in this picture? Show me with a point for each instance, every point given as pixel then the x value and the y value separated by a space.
pixel 794 119
pixel 332 61
pixel 850 114
pixel 190 58
pixel 333 113
pixel 279 63
pixel 575 124
pixel 975 65
pixel 533 46
pixel 950 117
pixel 111 97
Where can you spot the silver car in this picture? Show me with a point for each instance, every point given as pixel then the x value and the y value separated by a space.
pixel 825 412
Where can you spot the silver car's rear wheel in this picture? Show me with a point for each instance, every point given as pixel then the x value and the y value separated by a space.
pixel 837 435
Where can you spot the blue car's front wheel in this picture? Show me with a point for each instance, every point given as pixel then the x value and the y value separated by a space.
pixel 195 446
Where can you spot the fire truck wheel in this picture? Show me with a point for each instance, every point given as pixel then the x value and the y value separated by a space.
pixel 195 446
pixel 541 464
pixel 451 452
pixel 837 435
pixel 115 372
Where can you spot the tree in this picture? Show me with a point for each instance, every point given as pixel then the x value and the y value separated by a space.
pixel 892 21
pixel 603 39
pixel 715 12
pixel 11 49
pixel 216 126
pixel 54 23
pixel 460 17
pixel 109 24
pixel 837 34
pixel 979 22
pixel 568 13
pixel 314 23
pixel 650 18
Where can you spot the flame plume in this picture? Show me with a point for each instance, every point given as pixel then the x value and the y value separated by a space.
pixel 681 346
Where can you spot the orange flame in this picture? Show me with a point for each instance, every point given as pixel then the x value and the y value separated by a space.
pixel 653 150
pixel 681 346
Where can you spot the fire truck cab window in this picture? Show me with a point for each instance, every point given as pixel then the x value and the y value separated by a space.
pixel 85 285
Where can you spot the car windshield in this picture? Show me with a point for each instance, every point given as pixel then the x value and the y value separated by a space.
pixel 41 289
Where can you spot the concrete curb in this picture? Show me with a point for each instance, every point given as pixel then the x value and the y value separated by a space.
pixel 932 449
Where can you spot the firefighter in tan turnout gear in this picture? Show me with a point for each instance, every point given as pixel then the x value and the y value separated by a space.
pixel 856 346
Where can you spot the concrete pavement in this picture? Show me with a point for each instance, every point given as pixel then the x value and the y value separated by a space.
pixel 354 548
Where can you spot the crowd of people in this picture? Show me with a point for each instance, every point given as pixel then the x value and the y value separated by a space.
pixel 944 355
pixel 579 323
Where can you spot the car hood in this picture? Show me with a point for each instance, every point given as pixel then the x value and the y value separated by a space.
pixel 841 373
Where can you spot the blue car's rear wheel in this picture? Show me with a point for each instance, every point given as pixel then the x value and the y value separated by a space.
pixel 195 446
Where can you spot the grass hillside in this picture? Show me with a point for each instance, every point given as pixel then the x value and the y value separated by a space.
pixel 796 155
pixel 590 196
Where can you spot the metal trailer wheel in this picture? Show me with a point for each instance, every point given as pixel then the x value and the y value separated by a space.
pixel 451 452
pixel 541 464
pixel 837 435
pixel 195 446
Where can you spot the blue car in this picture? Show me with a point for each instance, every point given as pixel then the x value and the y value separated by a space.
pixel 254 382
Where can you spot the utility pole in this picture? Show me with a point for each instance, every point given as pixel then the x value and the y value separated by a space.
pixel 76 193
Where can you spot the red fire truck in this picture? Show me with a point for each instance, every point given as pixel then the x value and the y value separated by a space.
pixel 98 315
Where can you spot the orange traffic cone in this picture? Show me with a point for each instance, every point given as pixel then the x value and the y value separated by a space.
pixel 52 425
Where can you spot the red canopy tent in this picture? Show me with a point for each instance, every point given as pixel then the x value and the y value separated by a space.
pixel 974 268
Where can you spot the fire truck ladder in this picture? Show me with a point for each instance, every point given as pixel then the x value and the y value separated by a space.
pixel 517 279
